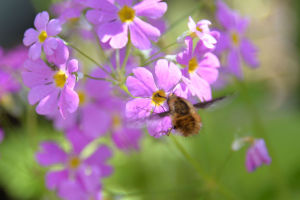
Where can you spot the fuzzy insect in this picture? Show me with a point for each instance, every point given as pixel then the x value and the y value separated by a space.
pixel 184 116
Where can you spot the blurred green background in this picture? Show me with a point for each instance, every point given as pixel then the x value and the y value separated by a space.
pixel 266 105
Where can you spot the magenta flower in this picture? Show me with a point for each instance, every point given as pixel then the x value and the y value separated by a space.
pixel 257 155
pixel 233 40
pixel 1 135
pixel 115 18
pixel 42 36
pixel 200 69
pixel 8 84
pixel 201 30
pixel 86 185
pixel 13 58
pixel 152 94
pixel 73 162
pixel 53 89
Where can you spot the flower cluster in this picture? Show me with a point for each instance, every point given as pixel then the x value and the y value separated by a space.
pixel 104 99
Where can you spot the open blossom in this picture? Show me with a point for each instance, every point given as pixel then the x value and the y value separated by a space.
pixel 233 40
pixel 257 155
pixel 53 89
pixel 201 30
pixel 42 36
pixel 116 19
pixel 85 185
pixel 73 162
pixel 152 94
pixel 13 58
pixel 200 69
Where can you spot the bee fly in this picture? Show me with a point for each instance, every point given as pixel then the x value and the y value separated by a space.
pixel 183 113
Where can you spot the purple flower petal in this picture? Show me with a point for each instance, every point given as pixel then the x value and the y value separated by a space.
pixel 48 105
pixel 68 101
pixel 92 114
pixel 234 65
pixel 160 127
pixel 72 66
pixel 78 140
pixel 138 109
pixel 55 178
pixel 168 75
pixel 201 87
pixel 249 53
pixel 35 51
pixel 145 76
pixel 100 156
pixel 39 92
pixel 30 36
pixel 50 45
pixel 53 27
pixel 50 154
pixel 41 20
pixel 60 55
pixel 124 2
pixel 151 8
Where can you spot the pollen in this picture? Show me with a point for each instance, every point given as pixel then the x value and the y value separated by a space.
pixel 60 79
pixel 199 29
pixel 193 64
pixel 82 97
pixel 116 121
pixel 74 162
pixel 126 14
pixel 159 97
pixel 235 38
pixel 43 36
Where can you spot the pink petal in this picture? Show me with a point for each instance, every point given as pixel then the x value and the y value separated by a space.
pixel 92 114
pixel 39 92
pixel 168 75
pixel 72 66
pixel 201 87
pixel 138 109
pixel 50 154
pixel 145 76
pixel 249 53
pixel 48 105
pixel 55 178
pixel 234 65
pixel 137 88
pixel 151 8
pixel 68 101
pixel 53 27
pixel 41 20
pixel 35 51
pixel 78 140
pixel 50 45
pixel 209 74
pixel 30 36
pixel 100 156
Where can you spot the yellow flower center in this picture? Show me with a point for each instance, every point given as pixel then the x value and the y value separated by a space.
pixel 193 64
pixel 74 162
pixel 199 29
pixel 235 38
pixel 126 14
pixel 82 97
pixel 42 36
pixel 60 79
pixel 116 121
pixel 159 97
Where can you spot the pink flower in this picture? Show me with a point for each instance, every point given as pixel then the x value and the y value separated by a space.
pixel 52 88
pixel 257 155
pixel 72 162
pixel 8 84
pixel 115 18
pixel 201 30
pixel 233 40
pixel 42 36
pixel 152 94
pixel 200 69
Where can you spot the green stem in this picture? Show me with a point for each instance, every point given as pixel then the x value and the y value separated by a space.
pixel 210 182
pixel 128 48
pixel 97 78
pixel 87 56
pixel 260 131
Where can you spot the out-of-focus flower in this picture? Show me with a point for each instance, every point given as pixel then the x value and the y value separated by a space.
pixel 42 36
pixel 233 40
pixel 73 162
pixel 53 89
pixel 1 135
pixel 200 69
pixel 114 18
pixel 152 94
pixel 14 58
pixel 85 185
pixel 69 10
pixel 257 155
pixel 201 30
pixel 8 84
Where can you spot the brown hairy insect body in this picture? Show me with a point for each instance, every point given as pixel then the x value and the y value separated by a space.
pixel 184 116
